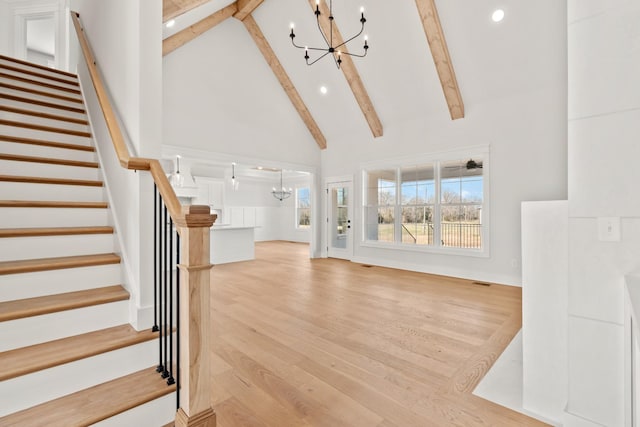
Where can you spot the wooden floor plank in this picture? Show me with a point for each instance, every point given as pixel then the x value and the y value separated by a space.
pixel 328 343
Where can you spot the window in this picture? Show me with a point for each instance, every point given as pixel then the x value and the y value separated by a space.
pixel 303 208
pixel 432 204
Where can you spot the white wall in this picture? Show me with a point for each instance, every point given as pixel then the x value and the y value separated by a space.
pixel 604 130
pixel 5 29
pixel 126 40
pixel 221 96
pixel 545 274
pixel 527 137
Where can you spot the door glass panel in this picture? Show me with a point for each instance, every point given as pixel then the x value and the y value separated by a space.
pixel 340 215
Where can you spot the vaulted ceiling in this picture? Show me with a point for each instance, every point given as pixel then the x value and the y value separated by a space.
pixel 425 55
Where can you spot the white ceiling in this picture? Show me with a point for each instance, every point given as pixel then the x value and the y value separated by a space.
pixel 491 60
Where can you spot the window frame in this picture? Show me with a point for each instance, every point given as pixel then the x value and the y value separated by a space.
pixel 481 151
pixel 297 208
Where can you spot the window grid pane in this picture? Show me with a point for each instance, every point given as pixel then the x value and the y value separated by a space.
pixel 459 205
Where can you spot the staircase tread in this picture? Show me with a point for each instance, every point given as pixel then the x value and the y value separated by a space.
pixel 42 67
pixel 48 160
pixel 39 75
pixel 39 83
pixel 49 116
pixel 45 143
pixel 57 263
pixel 41 93
pixel 37 357
pixel 90 406
pixel 45 180
pixel 35 126
pixel 42 103
pixel 51 204
pixel 37 306
pixel 54 231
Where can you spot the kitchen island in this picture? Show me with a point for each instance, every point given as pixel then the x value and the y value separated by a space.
pixel 231 243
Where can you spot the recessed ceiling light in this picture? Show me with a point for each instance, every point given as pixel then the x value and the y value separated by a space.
pixel 498 15
pixel 170 23
pixel 323 90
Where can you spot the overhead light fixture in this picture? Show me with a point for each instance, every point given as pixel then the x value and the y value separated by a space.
pixel 176 178
pixel 498 15
pixel 336 51
pixel 235 184
pixel 323 90
pixel 282 193
pixel 170 23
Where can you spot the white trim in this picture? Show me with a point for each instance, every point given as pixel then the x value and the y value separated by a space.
pixel 500 279
pixel 25 11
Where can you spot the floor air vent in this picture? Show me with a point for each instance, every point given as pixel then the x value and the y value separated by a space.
pixel 481 283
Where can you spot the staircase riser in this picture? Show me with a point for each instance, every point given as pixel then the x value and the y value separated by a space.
pixel 32 330
pixel 42 109
pixel 32 86
pixel 19 168
pixel 22 93
pixel 44 151
pixel 159 412
pixel 38 79
pixel 18 248
pixel 35 70
pixel 52 217
pixel 28 118
pixel 40 283
pixel 44 135
pixel 30 191
pixel 32 389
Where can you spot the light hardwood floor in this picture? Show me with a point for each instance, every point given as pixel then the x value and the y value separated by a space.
pixel 300 342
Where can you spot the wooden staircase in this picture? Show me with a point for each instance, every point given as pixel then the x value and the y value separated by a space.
pixel 68 355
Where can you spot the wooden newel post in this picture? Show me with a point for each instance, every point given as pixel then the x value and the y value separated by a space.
pixel 195 314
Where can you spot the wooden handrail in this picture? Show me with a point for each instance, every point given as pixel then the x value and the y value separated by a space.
pixel 126 161
pixel 193 224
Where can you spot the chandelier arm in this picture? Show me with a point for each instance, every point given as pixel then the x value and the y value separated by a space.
pixel 319 58
pixel 295 45
pixel 355 54
pixel 321 32
pixel 324 49
pixel 344 43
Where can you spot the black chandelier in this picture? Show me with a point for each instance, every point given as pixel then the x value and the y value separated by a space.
pixel 335 51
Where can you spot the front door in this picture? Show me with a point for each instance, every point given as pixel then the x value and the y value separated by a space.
pixel 340 224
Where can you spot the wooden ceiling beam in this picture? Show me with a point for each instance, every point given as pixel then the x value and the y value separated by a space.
pixel 246 7
pixel 283 78
pixel 351 73
pixel 181 38
pixel 173 8
pixel 440 53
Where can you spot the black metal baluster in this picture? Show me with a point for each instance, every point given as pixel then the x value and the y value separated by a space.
pixel 162 214
pixel 177 321
pixel 165 373
pixel 171 380
pixel 155 259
